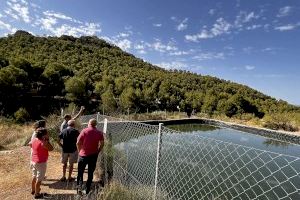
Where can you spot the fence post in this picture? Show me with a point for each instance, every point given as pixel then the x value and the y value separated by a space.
pixel 104 154
pixel 62 113
pixel 98 114
pixel 158 153
pixel 104 125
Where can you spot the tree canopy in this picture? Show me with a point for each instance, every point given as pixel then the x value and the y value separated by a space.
pixel 41 74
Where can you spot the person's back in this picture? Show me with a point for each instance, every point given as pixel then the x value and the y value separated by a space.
pixel 39 152
pixel 69 138
pixel 89 143
pixel 90 138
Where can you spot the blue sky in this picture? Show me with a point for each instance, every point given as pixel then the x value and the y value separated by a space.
pixel 256 43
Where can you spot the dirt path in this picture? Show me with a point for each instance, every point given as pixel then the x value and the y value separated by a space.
pixel 15 177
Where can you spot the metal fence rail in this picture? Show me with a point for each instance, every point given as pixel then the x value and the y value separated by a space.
pixel 190 166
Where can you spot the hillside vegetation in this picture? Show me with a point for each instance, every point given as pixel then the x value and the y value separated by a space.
pixel 39 75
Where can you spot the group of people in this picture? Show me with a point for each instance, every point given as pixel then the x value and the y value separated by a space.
pixel 82 147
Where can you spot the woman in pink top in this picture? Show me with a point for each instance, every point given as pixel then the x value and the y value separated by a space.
pixel 40 148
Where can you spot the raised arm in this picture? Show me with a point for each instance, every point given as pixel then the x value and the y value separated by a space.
pixel 79 113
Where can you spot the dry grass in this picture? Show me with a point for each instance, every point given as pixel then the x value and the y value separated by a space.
pixel 15 173
pixel 117 191
pixel 14 135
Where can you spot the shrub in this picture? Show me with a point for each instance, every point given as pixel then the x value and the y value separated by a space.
pixel 21 115
pixel 280 122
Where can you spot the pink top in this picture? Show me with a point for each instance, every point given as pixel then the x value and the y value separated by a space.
pixel 39 152
pixel 89 138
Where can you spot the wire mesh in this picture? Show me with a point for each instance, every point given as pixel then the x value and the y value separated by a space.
pixel 191 166
pixel 133 154
pixel 195 167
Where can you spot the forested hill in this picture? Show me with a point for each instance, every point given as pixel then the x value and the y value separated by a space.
pixel 38 75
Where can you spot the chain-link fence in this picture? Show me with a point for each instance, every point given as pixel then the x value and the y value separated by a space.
pixel 155 162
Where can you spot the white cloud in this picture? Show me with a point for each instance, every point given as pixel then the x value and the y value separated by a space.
pixel 172 65
pixel 159 46
pixel 157 25
pixel 142 51
pixel 211 11
pixel 271 50
pixel 287 27
pixel 18 10
pixel 249 67
pixel 254 26
pixel 220 27
pixel 124 44
pixel 248 50
pixel 284 11
pixel 47 23
pixel 123 35
pixel 140 47
pixel 57 15
pixel 5 26
pixel 9 12
pixel 209 56
pixel 173 18
pixel 182 25
pixel 53 22
pixel 179 53
pixel 244 17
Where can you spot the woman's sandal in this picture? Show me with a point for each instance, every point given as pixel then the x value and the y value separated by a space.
pixel 71 179
pixel 38 196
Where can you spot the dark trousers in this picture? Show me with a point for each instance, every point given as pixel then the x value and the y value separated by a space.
pixel 84 161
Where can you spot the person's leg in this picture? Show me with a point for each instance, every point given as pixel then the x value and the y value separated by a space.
pixel 81 167
pixel 34 174
pixel 64 161
pixel 37 188
pixel 91 168
pixel 33 185
pixel 72 159
pixel 41 171
pixel 70 171
pixel 64 170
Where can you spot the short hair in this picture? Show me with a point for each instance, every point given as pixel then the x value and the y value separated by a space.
pixel 39 124
pixel 40 132
pixel 67 116
pixel 42 123
pixel 93 122
pixel 71 122
pixel 36 125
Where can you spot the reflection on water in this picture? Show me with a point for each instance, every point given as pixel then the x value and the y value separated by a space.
pixel 192 127
pixel 205 162
pixel 277 143
pixel 239 137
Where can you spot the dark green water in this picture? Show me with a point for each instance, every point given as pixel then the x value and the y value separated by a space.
pixel 206 162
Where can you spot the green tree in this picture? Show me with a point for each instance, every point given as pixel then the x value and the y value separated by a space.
pixel 75 88
pixel 108 101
